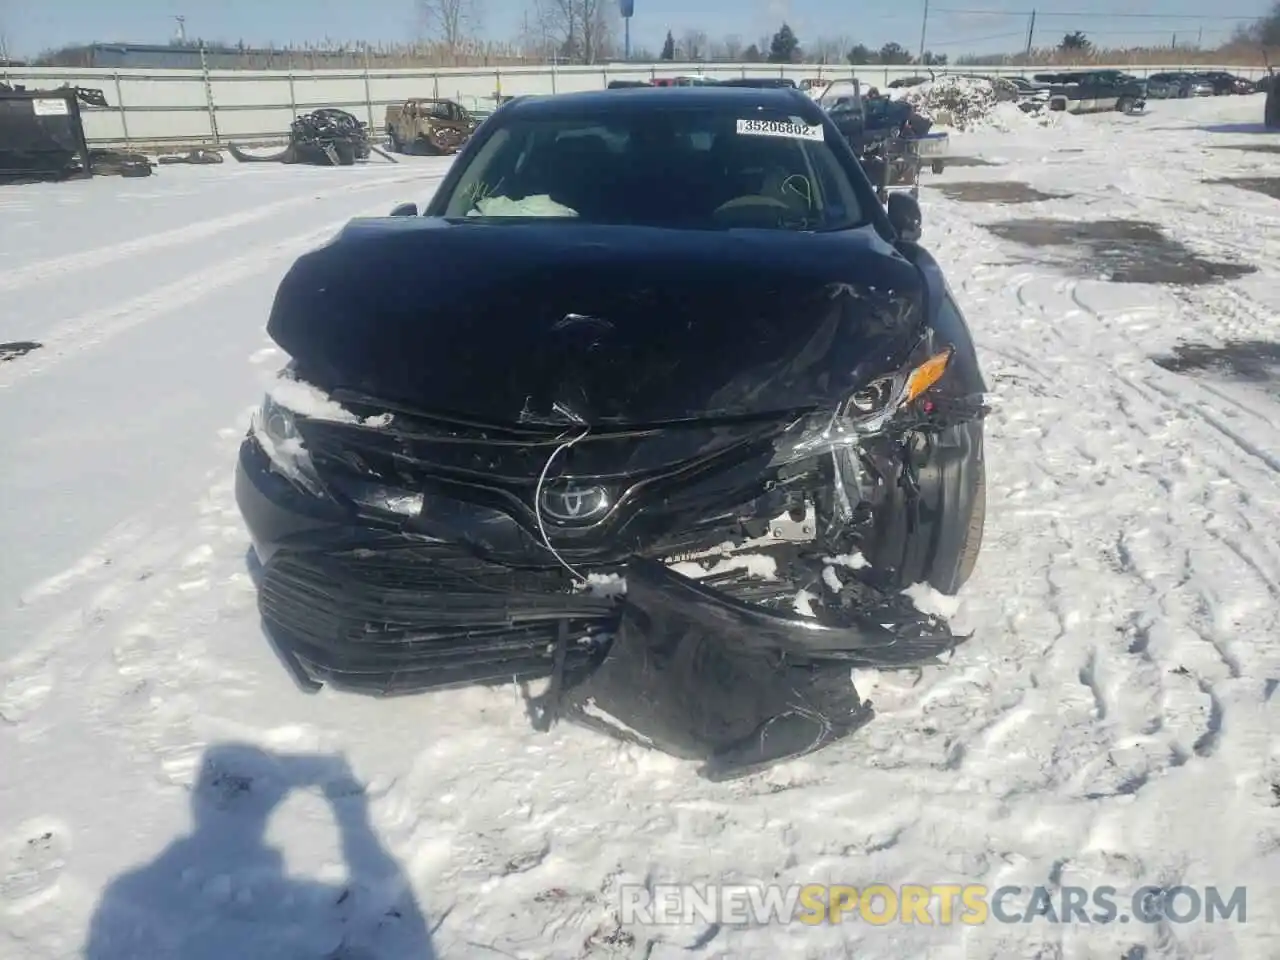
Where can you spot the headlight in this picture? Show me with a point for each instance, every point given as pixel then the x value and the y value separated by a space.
pixel 276 429
pixel 866 413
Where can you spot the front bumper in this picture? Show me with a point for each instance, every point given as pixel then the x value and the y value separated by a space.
pixel 386 611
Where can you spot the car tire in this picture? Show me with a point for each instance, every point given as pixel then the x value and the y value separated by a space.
pixel 973 536
pixel 1125 105
pixel 935 538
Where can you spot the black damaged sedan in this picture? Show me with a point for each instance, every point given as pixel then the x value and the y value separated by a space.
pixel 654 401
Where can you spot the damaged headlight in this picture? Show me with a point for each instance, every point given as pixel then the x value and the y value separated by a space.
pixel 865 413
pixel 275 427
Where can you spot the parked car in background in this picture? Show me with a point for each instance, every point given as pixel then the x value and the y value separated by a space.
pixel 429 125
pixel 1166 86
pixel 843 102
pixel 1094 91
pixel 685 81
pixel 760 83
pixel 1226 83
pixel 1031 95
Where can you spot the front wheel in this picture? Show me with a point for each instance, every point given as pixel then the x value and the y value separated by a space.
pixel 935 535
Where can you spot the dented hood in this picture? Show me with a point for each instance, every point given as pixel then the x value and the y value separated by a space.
pixel 612 324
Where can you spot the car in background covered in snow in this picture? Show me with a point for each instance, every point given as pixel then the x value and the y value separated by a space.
pixel 659 343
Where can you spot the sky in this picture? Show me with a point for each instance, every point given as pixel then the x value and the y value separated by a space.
pixel 954 26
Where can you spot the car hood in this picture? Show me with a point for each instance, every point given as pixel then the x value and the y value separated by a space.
pixel 516 321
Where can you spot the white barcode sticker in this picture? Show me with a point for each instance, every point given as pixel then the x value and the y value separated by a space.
pixel 780 128
pixel 50 107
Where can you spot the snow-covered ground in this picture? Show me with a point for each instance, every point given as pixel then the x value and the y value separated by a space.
pixel 1113 720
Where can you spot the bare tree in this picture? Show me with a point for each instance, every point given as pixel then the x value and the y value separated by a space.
pixel 828 50
pixel 579 30
pixel 730 48
pixel 693 45
pixel 451 23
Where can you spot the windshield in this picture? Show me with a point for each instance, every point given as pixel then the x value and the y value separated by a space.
pixel 683 168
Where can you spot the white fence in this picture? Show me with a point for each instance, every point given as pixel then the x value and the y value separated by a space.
pixel 213 106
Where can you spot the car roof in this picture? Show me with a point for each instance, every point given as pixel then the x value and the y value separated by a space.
pixel 657 99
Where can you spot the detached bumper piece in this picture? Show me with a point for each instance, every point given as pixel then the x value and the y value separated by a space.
pixel 678 665
pixel 424 616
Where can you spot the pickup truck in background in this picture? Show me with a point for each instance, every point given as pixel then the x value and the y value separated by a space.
pixel 428 125
pixel 1094 91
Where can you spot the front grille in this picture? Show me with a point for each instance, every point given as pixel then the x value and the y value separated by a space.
pixel 499 466
pixel 422 615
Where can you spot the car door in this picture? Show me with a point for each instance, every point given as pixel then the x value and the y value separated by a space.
pixel 1103 89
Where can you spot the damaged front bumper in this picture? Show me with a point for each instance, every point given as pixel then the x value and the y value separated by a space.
pixel 672 663
pixel 684 638
pixel 405 616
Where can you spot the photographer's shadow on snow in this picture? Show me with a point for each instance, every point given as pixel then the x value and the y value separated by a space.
pixel 223 891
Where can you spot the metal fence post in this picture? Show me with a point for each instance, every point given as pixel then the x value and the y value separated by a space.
pixel 124 115
pixel 368 93
pixel 208 96
pixel 293 96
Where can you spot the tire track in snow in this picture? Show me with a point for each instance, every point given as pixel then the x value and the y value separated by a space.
pixel 57 269
pixel 1189 602
pixel 1160 688
pixel 89 330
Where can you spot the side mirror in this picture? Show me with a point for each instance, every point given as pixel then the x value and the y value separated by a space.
pixel 405 210
pixel 904 216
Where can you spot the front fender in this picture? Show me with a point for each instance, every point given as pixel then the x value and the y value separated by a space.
pixel 964 375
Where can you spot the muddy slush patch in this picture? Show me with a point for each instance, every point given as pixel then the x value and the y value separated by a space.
pixel 1256 361
pixel 996 191
pixel 18 348
pixel 1270 186
pixel 1120 251
pixel 969 162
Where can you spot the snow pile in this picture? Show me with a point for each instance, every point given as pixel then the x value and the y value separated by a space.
pixel 962 103
pixel 973 103
pixel 1011 117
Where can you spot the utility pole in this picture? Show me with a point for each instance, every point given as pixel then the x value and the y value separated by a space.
pixel 182 29
pixel 924 29
pixel 1031 32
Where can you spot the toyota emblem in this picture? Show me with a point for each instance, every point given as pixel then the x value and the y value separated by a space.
pixel 566 502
